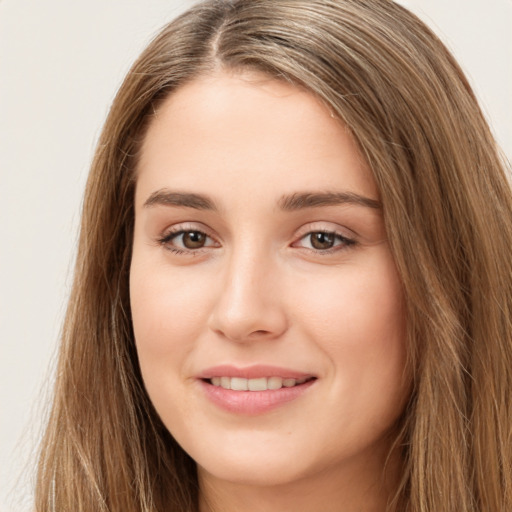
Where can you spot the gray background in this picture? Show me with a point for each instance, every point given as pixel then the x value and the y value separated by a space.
pixel 60 65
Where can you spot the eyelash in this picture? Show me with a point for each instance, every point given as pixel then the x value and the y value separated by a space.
pixel 168 237
pixel 345 243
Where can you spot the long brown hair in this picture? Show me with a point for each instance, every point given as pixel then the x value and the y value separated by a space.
pixel 448 213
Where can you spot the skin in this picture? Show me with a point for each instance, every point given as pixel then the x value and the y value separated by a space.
pixel 259 292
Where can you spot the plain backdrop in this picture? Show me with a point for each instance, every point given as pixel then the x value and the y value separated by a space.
pixel 60 65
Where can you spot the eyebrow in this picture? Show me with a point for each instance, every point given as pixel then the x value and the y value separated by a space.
pixel 166 197
pixel 292 202
pixel 299 201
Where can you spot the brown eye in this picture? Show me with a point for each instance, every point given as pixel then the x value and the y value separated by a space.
pixel 183 241
pixel 322 241
pixel 193 239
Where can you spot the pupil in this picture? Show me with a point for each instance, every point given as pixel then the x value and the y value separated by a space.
pixel 322 240
pixel 193 239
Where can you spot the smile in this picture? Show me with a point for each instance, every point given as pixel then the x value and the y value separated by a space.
pixel 258 384
pixel 254 390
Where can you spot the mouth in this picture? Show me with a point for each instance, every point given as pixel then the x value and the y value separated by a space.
pixel 254 390
pixel 272 383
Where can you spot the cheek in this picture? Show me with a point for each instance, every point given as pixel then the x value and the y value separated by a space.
pixel 166 307
pixel 168 314
pixel 358 307
pixel 356 317
pixel 167 319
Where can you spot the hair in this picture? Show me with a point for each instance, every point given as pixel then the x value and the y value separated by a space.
pixel 447 206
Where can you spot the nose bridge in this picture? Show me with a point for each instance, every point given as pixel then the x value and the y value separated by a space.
pixel 248 305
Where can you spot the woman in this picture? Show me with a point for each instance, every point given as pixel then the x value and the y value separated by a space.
pixel 293 288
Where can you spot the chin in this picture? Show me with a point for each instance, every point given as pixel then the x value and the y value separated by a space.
pixel 260 462
pixel 256 472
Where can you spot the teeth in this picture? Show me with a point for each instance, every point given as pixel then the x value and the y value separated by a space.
pixel 260 384
pixel 239 384
pixel 274 383
pixel 257 384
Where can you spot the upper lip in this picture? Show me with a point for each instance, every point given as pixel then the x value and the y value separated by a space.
pixel 252 372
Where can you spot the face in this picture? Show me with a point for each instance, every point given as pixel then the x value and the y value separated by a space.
pixel 266 305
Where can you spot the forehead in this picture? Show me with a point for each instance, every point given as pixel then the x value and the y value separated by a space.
pixel 248 133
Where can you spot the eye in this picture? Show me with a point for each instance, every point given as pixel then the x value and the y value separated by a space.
pixel 324 241
pixel 191 239
pixel 186 240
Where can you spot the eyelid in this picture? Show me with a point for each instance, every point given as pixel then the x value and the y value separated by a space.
pixel 170 232
pixel 344 240
pixel 344 235
pixel 325 227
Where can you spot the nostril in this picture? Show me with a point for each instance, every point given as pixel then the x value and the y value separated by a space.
pixel 259 333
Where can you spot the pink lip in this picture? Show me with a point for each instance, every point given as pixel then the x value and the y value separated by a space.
pixel 252 372
pixel 252 403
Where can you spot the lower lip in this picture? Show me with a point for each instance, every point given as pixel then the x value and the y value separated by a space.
pixel 253 402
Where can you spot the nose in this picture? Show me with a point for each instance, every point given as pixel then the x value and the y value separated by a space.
pixel 249 304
